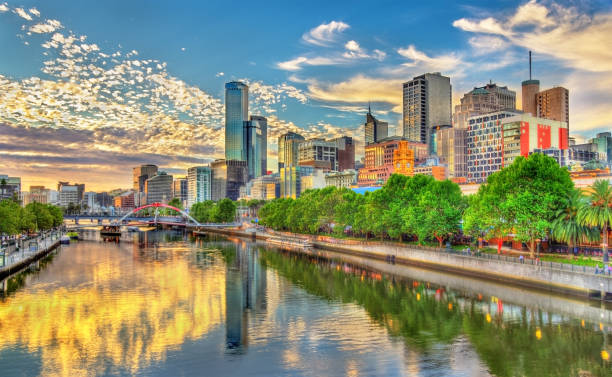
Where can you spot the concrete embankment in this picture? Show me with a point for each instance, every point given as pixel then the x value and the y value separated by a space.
pixel 28 258
pixel 546 276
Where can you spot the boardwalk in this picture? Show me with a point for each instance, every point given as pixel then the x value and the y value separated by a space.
pixel 12 259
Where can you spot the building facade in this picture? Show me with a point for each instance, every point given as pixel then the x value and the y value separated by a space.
pixel 288 149
pixel 524 133
pixel 318 153
pixel 180 189
pixel 69 195
pixel 264 187
pixel 290 180
pixel 199 185
pixel 340 179
pixel 9 187
pixel 346 152
pixel 236 114
pixel 140 175
pixel 379 159
pixel 484 145
pixel 426 103
pixel 158 188
pixel 227 178
pixel 125 201
pixel 257 146
pixel 375 130
pixel 553 104
pixel 452 150
pixel 482 100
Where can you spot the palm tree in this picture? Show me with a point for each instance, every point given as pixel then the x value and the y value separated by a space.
pixel 598 213
pixel 566 227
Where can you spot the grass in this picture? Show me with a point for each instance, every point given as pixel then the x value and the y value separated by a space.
pixel 580 261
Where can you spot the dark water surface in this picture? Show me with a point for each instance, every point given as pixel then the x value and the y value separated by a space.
pixel 162 304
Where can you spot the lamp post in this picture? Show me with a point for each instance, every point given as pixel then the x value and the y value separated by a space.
pixel 538 243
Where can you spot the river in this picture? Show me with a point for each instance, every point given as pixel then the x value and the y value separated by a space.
pixel 163 303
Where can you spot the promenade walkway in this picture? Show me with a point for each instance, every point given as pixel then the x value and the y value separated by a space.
pixel 17 256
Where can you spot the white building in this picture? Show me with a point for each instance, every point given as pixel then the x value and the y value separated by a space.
pixel 346 178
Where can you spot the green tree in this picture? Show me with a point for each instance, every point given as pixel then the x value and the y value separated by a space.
pixel 598 212
pixel 566 227
pixel 10 214
pixel 224 211
pixel 202 211
pixel 176 202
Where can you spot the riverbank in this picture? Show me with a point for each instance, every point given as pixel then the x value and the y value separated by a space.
pixel 561 278
pixel 18 260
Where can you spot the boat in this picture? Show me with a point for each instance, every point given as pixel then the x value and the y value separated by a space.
pixel 133 229
pixel 111 230
pixel 65 240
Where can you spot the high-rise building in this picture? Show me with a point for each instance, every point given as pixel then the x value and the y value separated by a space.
pixel 158 188
pixel 80 189
pixel 125 201
pixel 179 189
pixel 553 104
pixel 375 130
pixel 89 200
pixel 140 176
pixel 290 180
pixel 199 185
pixel 263 188
pixel 288 149
pixel 426 104
pixel 603 141
pixel 69 194
pixel 227 178
pixel 452 150
pixel 9 187
pixel 484 145
pixel 236 114
pixel 482 100
pixel 318 153
pixel 345 152
pixel 38 194
pixel 257 145
pixel 522 134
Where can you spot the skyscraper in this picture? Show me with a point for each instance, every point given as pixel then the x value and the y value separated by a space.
pixel 236 114
pixel 199 184
pixel 426 104
pixel 482 100
pixel 288 149
pixel 345 152
pixel 179 189
pixel 158 188
pixel 141 174
pixel 553 104
pixel 257 146
pixel 227 178
pixel 375 130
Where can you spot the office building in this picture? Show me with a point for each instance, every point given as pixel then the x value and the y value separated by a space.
pixel 158 188
pixel 290 180
pixel 124 202
pixel 426 104
pixel 433 168
pixel 345 152
pixel 375 130
pixel 89 202
pixel 236 114
pixel 483 100
pixel 179 190
pixel 104 199
pixel 199 185
pixel 484 145
pixel 524 133
pixel 265 187
pixel 68 195
pixel 227 178
pixel 80 188
pixel 339 179
pixel 318 153
pixel 140 175
pixel 288 149
pixel 452 150
pixel 257 146
pixel 37 194
pixel 603 141
pixel 313 180
pixel 10 187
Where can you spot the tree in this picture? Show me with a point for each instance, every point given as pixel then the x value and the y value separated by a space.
pixel 598 212
pixel 202 211
pixel 176 202
pixel 10 214
pixel 566 227
pixel 224 211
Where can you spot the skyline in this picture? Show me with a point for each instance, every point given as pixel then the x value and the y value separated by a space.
pixel 75 91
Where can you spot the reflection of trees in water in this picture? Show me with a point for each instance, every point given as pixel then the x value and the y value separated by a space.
pixel 531 346
pixel 13 283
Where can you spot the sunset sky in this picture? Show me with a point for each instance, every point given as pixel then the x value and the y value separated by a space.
pixel 90 89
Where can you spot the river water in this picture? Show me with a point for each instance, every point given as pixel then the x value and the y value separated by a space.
pixel 165 304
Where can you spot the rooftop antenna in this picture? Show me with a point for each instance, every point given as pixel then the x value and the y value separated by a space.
pixel 369 109
pixel 529 64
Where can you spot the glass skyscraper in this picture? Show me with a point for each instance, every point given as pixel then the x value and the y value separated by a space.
pixel 257 146
pixel 236 114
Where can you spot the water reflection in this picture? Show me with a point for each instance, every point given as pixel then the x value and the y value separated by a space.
pixel 159 303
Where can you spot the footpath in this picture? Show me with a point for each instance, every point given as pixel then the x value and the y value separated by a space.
pixel 15 257
pixel 550 276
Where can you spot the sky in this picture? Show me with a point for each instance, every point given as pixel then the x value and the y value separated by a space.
pixel 90 89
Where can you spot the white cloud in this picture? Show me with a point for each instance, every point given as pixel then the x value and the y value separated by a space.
pixel 35 12
pixel 220 74
pixel 23 14
pixel 182 48
pixel 486 44
pixel 298 63
pixel 4 8
pixel 49 26
pixel 325 34
pixel 447 62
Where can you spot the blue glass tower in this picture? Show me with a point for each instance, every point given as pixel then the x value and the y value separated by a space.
pixel 236 114
pixel 256 141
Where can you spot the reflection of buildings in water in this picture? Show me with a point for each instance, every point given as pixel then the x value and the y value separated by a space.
pixel 245 292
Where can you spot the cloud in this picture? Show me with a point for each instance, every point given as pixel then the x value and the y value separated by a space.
pixel 35 12
pixel 441 62
pixel 220 74
pixel 4 7
pixel 299 62
pixel 49 26
pixel 564 33
pixel 325 34
pixel 23 14
pixel 487 44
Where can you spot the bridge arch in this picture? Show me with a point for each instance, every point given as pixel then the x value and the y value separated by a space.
pixel 158 205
